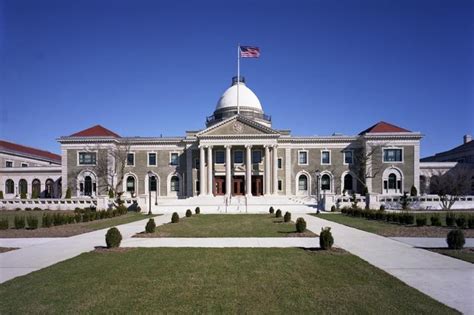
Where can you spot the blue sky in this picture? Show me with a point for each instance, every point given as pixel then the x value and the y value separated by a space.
pixel 145 68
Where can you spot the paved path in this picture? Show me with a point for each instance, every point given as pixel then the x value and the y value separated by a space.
pixel 31 258
pixel 448 280
pixel 27 241
pixel 430 242
pixel 307 242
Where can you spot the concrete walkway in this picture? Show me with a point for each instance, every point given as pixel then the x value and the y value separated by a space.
pixel 27 241
pixel 281 242
pixel 34 257
pixel 448 280
pixel 429 242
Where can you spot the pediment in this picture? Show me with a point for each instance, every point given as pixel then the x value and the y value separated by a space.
pixel 237 125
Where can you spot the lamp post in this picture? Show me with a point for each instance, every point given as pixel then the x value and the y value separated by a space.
pixel 149 192
pixel 317 173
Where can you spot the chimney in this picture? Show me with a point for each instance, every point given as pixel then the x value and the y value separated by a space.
pixel 467 138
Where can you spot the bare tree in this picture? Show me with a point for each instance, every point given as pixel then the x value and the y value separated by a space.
pixel 364 166
pixel 451 185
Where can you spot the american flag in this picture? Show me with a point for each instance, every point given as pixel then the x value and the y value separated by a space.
pixel 249 52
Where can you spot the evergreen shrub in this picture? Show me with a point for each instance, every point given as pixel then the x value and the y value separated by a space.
pixel 300 225
pixel 19 222
pixel 188 213
pixel 325 238
pixel 175 217
pixel 113 238
pixel 4 224
pixel 32 222
pixel 278 213
pixel 150 226
pixel 197 210
pixel 287 217
pixel 455 239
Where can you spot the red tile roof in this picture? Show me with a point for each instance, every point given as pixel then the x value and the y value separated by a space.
pixel 13 147
pixel 95 131
pixel 383 126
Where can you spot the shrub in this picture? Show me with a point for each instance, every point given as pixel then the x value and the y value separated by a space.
pixel 197 211
pixel 409 218
pixel 27 209
pixel 300 225
pixel 113 238
pixel 271 210
pixel 450 219
pixel 470 222
pixel 4 224
pixel 1 195
pixel 455 239
pixel 150 226
pixel 47 220
pixel 421 221
pixel 111 193
pixel 70 219
pixel 19 222
pixel 325 238
pixel 37 209
pixel 121 210
pixel 23 195
pixel 287 217
pixel 175 217
pixel 68 193
pixel 86 217
pixel 413 191
pixel 78 218
pixel 188 213
pixel 278 213
pixel 461 221
pixel 32 221
pixel 435 220
pixel 333 208
pixel 382 207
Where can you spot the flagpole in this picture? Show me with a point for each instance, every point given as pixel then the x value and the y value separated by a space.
pixel 238 77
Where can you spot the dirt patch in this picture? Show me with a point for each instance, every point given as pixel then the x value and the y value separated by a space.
pixel 7 249
pixel 105 250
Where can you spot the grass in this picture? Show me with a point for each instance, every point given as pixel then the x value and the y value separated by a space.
pixel 466 254
pixel 391 229
pixel 200 280
pixel 229 225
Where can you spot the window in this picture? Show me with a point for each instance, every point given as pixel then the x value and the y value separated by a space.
pixel 280 163
pixel 24 164
pixel 174 183
pixel 256 156
pixel 325 157
pixel 9 186
pixel 151 159
pixel 153 183
pixel 87 186
pixel 131 184
pixel 238 157
pixel 87 158
pixel 130 159
pixel 35 188
pixel 302 157
pixel 23 186
pixel 348 158
pixel 348 182
pixel 392 155
pixel 8 164
pixel 280 185
pixel 174 158
pixel 196 164
pixel 392 181
pixel 325 182
pixel 220 157
pixel 302 182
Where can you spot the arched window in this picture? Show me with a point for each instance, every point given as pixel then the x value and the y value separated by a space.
pixel 392 181
pixel 174 183
pixel 131 184
pixel 35 188
pixel 23 186
pixel 348 180
pixel 153 185
pixel 325 182
pixel 303 183
pixel 87 186
pixel 50 188
pixel 423 184
pixel 10 186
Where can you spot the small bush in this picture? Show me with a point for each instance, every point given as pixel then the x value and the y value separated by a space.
pixel 4 224
pixel 68 193
pixel 121 210
pixel 382 207
pixel 150 226
pixel 435 220
pixel 325 238
pixel 450 219
pixel 300 225
pixel 455 239
pixel 271 210
pixel 333 208
pixel 32 222
pixel 47 220
pixel 188 213
pixel 71 219
pixel 175 217
pixel 1 195
pixel 278 213
pixel 287 217
pixel 113 238
pixel 421 221
pixel 413 191
pixel 461 221
pixel 470 222
pixel 19 222
pixel 197 210
pixel 78 218
pixel 23 195
pixel 409 219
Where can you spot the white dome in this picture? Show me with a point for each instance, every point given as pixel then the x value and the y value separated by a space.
pixel 247 98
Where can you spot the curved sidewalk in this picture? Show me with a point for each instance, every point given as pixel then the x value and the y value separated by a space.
pixel 448 280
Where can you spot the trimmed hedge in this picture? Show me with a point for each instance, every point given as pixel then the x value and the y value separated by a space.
pixel 300 225
pixel 278 213
pixel 455 239
pixel 175 217
pixel 461 221
pixel 32 221
pixel 271 210
pixel 113 238
pixel 421 221
pixel 197 211
pixel 19 222
pixel 150 226
pixel 4 224
pixel 188 213
pixel 450 219
pixel 287 217
pixel 325 238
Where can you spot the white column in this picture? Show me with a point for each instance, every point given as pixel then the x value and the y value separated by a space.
pixel 275 169
pixel 202 170
pixel 210 180
pixel 248 170
pixel 64 177
pixel 228 171
pixel 189 172
pixel 288 175
pixel 267 170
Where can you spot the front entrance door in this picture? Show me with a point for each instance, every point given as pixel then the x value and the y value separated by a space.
pixel 219 185
pixel 238 185
pixel 257 185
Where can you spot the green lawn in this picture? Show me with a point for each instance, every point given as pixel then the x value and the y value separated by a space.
pixel 466 254
pixel 228 225
pixel 199 280
pixel 390 229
